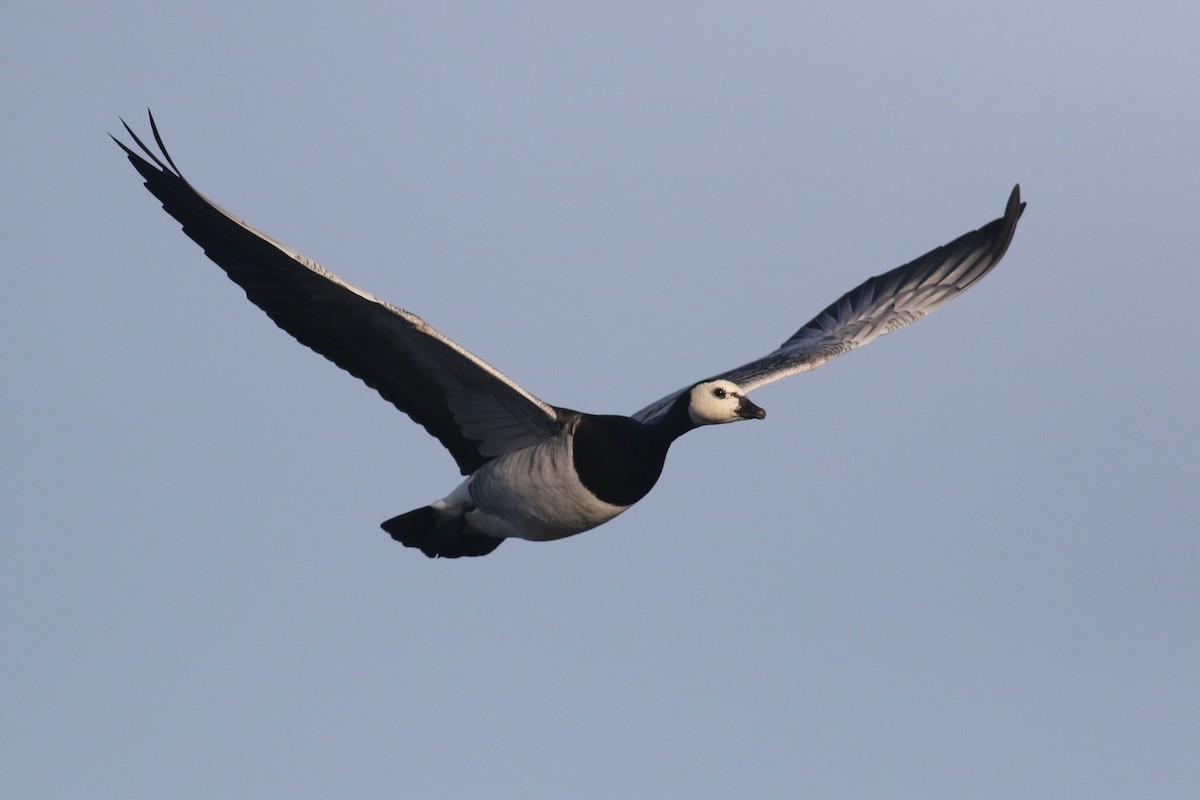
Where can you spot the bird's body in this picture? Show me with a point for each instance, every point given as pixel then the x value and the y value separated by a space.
pixel 535 471
pixel 595 468
pixel 533 493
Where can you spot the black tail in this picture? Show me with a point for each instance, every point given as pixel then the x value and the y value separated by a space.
pixel 438 538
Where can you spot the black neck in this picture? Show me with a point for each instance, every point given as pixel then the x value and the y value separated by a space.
pixel 677 421
pixel 619 459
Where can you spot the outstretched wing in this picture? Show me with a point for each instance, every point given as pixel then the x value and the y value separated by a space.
pixel 473 410
pixel 882 304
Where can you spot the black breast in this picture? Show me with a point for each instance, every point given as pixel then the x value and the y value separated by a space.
pixel 618 459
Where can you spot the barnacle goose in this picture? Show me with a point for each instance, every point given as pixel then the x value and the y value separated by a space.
pixel 534 471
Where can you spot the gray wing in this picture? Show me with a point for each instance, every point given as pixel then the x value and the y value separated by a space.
pixel 473 410
pixel 882 304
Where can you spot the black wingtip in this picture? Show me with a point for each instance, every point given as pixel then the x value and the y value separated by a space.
pixel 123 146
pixel 1015 206
pixel 146 151
pixel 1006 227
pixel 162 147
pixel 134 157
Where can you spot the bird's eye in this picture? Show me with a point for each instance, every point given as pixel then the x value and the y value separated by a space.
pixel 719 393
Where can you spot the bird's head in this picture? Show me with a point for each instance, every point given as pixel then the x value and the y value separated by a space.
pixel 715 402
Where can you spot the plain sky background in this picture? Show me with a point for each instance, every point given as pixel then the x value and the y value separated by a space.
pixel 959 563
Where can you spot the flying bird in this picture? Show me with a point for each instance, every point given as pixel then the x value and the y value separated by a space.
pixel 534 471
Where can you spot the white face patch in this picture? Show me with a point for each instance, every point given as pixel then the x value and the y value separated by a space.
pixel 715 402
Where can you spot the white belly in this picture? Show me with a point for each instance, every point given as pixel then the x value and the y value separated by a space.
pixel 535 494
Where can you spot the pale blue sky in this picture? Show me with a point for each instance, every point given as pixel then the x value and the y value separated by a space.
pixel 959 563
